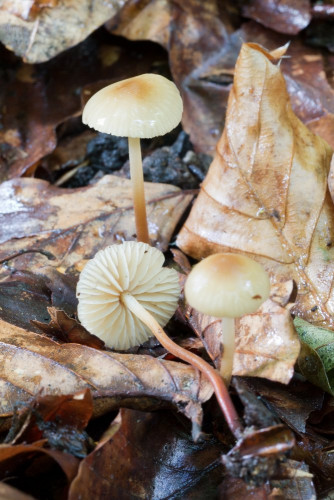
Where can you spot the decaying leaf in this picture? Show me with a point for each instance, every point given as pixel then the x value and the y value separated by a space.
pixel 256 457
pixel 193 33
pixel 45 226
pixel 307 79
pixel 54 28
pixel 27 459
pixel 266 191
pixel 150 456
pixel 316 361
pixel 31 363
pixel 66 329
pixel 285 17
pixel 266 342
pixel 293 403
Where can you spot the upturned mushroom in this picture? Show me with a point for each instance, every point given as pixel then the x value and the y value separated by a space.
pixel 126 296
pixel 144 106
pixel 227 286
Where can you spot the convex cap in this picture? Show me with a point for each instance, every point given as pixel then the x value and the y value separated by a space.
pixel 227 285
pixel 133 268
pixel 144 106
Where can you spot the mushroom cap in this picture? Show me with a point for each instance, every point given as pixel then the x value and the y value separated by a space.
pixel 143 106
pixel 135 268
pixel 227 285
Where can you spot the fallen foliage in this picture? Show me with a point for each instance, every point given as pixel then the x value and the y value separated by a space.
pixel 38 32
pixel 31 363
pixel 266 191
pixel 45 226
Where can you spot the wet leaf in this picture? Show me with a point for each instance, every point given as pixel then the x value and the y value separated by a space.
pixel 256 457
pixel 193 33
pixel 293 403
pixel 66 329
pixel 31 363
pixel 253 200
pixel 285 17
pixel 266 342
pixel 151 456
pixel 316 361
pixel 55 27
pixel 203 47
pixel 60 420
pixel 46 228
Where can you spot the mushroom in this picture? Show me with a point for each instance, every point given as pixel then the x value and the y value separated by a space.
pixel 144 106
pixel 125 296
pixel 227 286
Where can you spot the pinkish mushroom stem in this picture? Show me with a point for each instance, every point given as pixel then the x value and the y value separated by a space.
pixel 137 179
pixel 217 382
pixel 226 363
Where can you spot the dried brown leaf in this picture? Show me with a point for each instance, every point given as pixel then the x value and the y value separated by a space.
pixel 31 363
pixel 266 191
pixel 266 342
pixel 47 227
pixel 54 28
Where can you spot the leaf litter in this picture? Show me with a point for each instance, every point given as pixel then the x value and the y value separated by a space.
pixel 43 265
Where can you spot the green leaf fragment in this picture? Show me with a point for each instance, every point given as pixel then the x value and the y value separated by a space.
pixel 316 358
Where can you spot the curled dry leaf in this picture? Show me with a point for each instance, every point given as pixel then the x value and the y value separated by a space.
pixel 266 342
pixel 43 225
pixel 31 363
pixel 66 329
pixel 306 73
pixel 266 191
pixel 54 28
pixel 15 458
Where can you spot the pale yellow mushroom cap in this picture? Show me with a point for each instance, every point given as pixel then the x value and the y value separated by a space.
pixel 227 285
pixel 134 268
pixel 144 106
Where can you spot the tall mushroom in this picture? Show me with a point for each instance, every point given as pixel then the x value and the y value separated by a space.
pixel 125 296
pixel 227 286
pixel 144 106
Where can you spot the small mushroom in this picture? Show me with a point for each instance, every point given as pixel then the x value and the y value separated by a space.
pixel 227 286
pixel 125 296
pixel 144 106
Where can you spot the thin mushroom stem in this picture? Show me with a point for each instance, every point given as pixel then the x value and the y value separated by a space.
pixel 137 179
pixel 220 389
pixel 226 363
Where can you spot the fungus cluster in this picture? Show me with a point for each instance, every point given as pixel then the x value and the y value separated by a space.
pixel 144 106
pixel 125 296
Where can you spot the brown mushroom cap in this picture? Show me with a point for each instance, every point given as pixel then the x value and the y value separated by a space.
pixel 133 268
pixel 227 285
pixel 144 106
